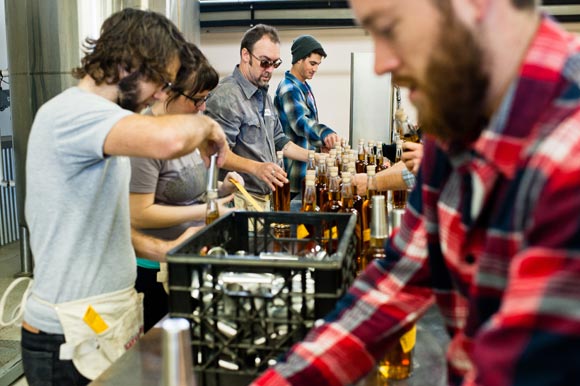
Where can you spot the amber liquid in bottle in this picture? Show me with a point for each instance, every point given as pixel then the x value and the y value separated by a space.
pixel 282 194
pixel 367 206
pixel 309 205
pixel 399 196
pixel 334 203
pixel 398 361
pixel 282 198
pixel 378 233
pixel 212 212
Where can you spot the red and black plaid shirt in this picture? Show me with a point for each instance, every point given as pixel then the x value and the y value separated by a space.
pixel 492 235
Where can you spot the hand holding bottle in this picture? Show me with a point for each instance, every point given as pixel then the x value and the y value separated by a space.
pixel 412 155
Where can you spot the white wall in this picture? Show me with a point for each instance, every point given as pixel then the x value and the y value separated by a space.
pixel 331 85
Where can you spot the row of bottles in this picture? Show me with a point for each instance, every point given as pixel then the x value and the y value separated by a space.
pixel 370 153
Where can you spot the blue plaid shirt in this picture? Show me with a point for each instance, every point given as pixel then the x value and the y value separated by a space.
pixel 296 107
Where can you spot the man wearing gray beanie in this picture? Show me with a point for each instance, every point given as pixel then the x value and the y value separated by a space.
pixel 297 107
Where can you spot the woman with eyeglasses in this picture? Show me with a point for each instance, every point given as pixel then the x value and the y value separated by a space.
pixel 168 196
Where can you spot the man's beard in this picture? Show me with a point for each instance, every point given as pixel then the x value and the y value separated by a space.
pixel 128 97
pixel 456 86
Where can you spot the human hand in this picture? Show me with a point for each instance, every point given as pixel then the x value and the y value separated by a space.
pixel 330 140
pixel 214 142
pixel 224 206
pixel 271 174
pixel 412 155
pixel 227 187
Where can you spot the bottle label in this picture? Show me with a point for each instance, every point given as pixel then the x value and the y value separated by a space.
pixel 334 235
pixel 367 234
pixel 302 232
pixel 408 340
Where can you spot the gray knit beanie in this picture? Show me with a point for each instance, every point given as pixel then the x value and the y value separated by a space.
pixel 303 47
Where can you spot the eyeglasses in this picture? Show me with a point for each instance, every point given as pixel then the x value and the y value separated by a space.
pixel 265 63
pixel 196 101
pixel 167 86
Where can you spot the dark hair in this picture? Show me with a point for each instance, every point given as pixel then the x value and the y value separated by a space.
pixel 318 51
pixel 195 75
pixel 133 40
pixel 256 33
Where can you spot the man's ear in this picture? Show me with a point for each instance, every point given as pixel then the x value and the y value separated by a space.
pixel 245 54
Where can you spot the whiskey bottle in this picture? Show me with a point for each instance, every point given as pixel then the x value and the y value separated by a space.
pixel 282 193
pixel 212 212
pixel 378 233
pixel 399 196
pixel 333 204
pixel 361 163
pixel 347 196
pixel 367 205
pixel 398 361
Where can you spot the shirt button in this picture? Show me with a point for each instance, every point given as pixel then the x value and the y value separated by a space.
pixel 469 259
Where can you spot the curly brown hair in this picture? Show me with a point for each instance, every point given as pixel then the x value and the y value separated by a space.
pixel 132 40
pixel 195 75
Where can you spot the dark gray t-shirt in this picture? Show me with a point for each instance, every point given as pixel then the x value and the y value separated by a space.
pixel 77 205
pixel 250 121
pixel 180 181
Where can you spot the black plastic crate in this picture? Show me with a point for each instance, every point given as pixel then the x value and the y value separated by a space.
pixel 249 307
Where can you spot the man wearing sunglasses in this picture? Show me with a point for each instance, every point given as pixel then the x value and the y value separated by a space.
pixel 242 106
pixel 296 106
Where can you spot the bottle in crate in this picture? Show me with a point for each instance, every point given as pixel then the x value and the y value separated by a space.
pixel 398 361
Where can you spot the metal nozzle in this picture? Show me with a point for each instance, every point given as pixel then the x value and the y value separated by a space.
pixel 212 175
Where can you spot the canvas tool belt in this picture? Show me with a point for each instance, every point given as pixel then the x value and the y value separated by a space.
pixel 99 329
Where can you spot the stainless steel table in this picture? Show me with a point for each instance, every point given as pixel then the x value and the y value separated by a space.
pixel 141 366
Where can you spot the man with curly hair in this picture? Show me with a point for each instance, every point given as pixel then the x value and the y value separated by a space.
pixel 83 312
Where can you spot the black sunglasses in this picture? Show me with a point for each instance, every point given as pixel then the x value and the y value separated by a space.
pixel 265 63
pixel 197 101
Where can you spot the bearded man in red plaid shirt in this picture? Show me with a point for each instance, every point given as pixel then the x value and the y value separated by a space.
pixel 492 230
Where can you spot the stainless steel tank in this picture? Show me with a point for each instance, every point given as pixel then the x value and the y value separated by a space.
pixel 44 43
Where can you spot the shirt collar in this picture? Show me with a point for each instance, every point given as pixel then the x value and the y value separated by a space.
pixel 303 85
pixel 248 87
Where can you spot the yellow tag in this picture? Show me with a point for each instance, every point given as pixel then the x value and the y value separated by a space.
pixel 334 233
pixel 367 234
pixel 408 340
pixel 302 232
pixel 94 320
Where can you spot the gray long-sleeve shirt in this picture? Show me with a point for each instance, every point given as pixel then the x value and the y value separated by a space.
pixel 250 121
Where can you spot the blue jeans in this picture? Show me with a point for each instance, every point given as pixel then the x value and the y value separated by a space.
pixel 42 367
